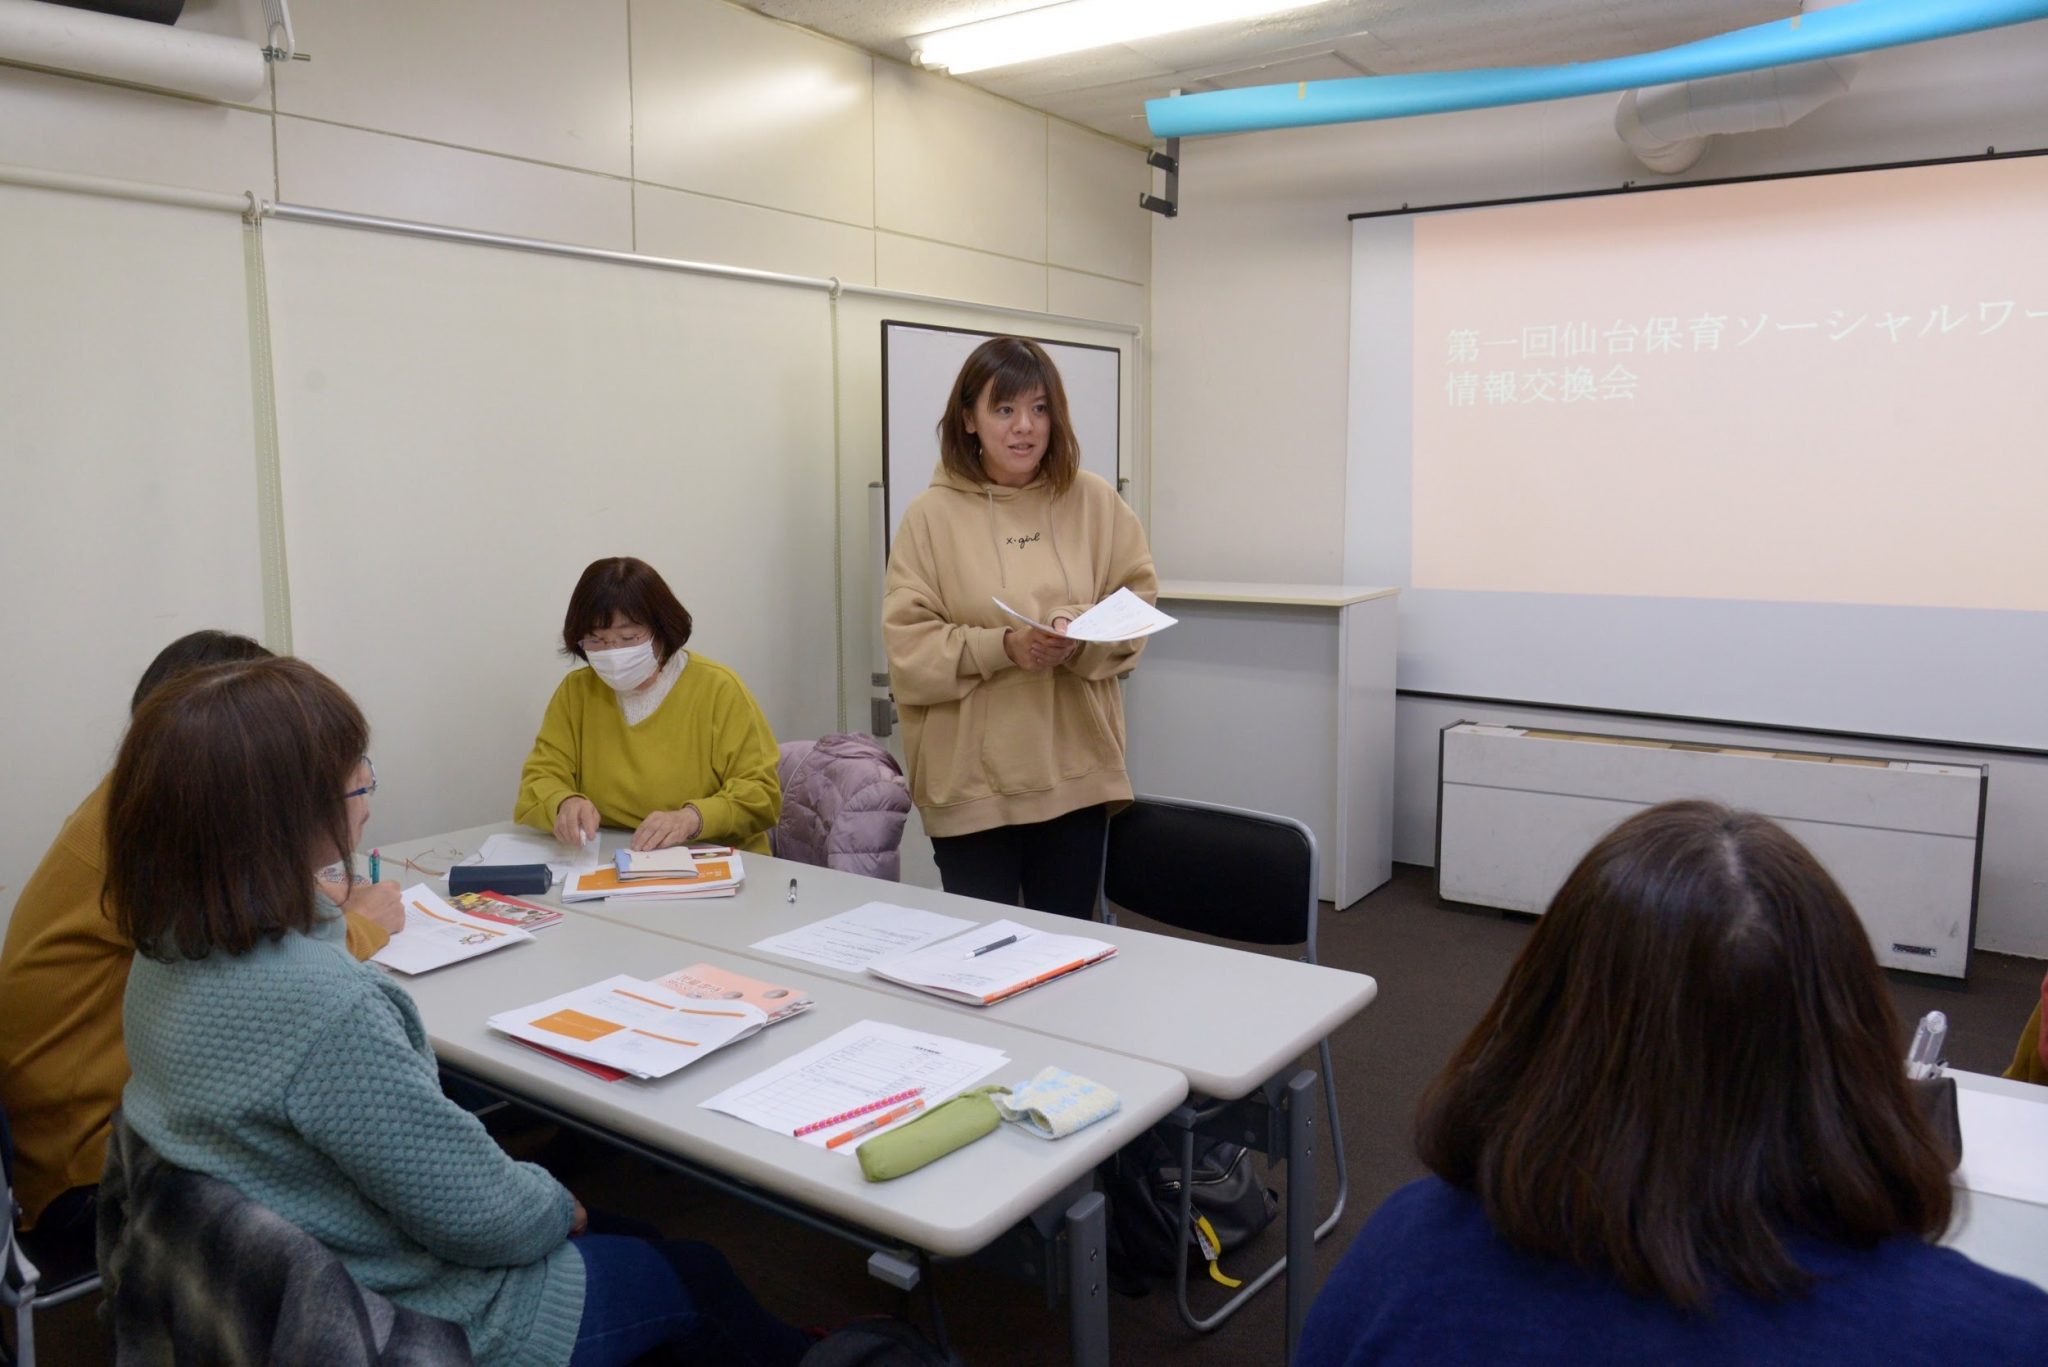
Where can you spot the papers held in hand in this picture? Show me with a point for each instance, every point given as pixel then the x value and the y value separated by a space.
pixel 641 1028
pixel 437 935
pixel 992 962
pixel 1123 616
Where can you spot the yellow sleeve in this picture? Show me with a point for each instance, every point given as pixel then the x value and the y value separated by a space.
pixel 1130 567
pixel 552 767
pixel 748 800
pixel 932 659
pixel 365 937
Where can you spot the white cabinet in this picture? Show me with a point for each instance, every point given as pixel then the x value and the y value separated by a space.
pixel 1517 807
pixel 1277 697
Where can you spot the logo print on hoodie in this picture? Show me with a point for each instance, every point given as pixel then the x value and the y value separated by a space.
pixel 1022 541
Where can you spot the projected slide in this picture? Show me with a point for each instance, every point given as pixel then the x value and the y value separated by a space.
pixel 1826 390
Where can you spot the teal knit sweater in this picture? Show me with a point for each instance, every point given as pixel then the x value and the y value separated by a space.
pixel 305 1079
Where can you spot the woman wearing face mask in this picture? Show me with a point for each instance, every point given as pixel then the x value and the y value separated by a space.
pixel 650 737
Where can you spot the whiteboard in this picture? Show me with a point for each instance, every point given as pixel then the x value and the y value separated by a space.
pixel 919 365
pixel 464 430
pixel 127 450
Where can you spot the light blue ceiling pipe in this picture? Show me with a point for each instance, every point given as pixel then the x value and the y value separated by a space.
pixel 1864 26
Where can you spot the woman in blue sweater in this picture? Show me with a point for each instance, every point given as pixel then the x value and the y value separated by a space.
pixel 1681 1133
pixel 262 1054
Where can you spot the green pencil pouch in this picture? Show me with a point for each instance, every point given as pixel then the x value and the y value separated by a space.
pixel 930 1137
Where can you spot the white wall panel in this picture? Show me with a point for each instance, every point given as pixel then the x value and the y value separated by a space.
pixel 957 165
pixel 541 79
pixel 373 173
pixel 127 455
pixel 1091 296
pixel 57 123
pixel 948 272
pixel 1093 221
pixel 465 429
pixel 698 228
pixel 731 105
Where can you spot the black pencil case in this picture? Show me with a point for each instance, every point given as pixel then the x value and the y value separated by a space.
pixel 505 878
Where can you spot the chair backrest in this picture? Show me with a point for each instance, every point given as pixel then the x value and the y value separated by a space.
pixel 844 805
pixel 1223 871
pixel 270 1291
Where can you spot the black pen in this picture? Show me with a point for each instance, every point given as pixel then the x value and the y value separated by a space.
pixel 792 890
pixel 997 944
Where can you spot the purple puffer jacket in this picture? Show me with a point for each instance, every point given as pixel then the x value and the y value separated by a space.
pixel 844 802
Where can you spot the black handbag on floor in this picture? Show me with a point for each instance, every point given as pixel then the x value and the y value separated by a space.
pixel 1230 1205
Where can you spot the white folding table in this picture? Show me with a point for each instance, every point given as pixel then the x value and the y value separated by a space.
pixel 1230 1022
pixel 952 1208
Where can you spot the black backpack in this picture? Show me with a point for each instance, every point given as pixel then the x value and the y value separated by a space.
pixel 1229 1202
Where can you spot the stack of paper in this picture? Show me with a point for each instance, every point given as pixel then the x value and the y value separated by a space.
pixel 707 982
pixel 436 935
pixel 1123 616
pixel 712 878
pixel 641 1028
pixel 862 1064
pixel 992 962
pixel 854 939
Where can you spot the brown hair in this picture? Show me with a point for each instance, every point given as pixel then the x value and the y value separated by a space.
pixel 1693 1058
pixel 1007 367
pixel 194 650
pixel 226 797
pixel 622 584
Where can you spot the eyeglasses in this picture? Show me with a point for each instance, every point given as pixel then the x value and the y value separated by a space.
pixel 366 789
pixel 624 639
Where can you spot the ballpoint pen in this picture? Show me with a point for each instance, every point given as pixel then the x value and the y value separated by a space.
pixel 991 945
pixel 792 890
pixel 376 866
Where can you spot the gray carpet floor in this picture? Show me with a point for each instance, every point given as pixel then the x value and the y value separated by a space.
pixel 1437 967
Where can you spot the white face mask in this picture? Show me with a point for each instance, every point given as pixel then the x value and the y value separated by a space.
pixel 626 668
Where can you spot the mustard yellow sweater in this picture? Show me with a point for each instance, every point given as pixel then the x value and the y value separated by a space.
pixel 62 973
pixel 707 746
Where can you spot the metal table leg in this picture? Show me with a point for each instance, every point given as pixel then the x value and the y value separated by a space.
pixel 1299 1109
pixel 1088 1281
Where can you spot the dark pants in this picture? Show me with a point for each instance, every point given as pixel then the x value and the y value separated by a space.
pixel 1056 864
pixel 642 1293
pixel 62 1243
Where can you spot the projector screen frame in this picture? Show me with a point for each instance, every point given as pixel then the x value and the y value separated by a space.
pixel 1629 187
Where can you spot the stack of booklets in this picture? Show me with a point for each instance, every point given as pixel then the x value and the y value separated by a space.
pixel 659 874
pixel 992 962
pixel 624 1027
pixel 437 935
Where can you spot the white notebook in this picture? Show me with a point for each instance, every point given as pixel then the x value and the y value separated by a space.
pixel 992 962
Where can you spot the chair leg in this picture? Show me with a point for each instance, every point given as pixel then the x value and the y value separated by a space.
pixel 1336 1144
pixel 25 1334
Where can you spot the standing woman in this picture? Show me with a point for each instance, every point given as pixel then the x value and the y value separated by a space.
pixel 264 1056
pixel 1015 736
pixel 650 737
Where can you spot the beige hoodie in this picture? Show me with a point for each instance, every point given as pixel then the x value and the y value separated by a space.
pixel 990 744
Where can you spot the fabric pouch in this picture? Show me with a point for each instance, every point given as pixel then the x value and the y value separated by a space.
pixel 930 1137
pixel 1056 1103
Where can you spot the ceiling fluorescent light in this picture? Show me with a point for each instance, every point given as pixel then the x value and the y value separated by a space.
pixel 1078 25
